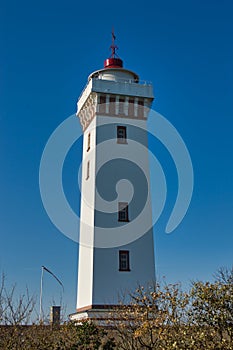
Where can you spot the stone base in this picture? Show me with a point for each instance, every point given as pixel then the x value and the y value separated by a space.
pixel 102 317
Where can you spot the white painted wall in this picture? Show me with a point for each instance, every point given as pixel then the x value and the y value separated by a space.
pixel 108 281
pixel 99 278
pixel 86 251
pixel 116 75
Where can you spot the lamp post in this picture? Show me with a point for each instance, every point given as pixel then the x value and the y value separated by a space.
pixel 41 287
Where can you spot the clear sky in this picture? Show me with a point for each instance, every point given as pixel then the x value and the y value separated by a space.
pixel 48 49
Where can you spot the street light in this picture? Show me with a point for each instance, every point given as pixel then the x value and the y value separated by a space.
pixel 43 268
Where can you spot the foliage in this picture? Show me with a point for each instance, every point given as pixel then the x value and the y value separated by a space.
pixel 212 309
pixel 157 317
pixel 66 337
pixel 89 336
pixel 153 319
pixel 165 317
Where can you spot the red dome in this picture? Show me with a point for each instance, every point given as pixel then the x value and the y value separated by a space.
pixel 113 62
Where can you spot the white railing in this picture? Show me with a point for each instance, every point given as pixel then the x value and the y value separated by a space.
pixel 118 80
pixel 128 81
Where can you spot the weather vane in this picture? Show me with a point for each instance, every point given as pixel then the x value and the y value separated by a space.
pixel 113 47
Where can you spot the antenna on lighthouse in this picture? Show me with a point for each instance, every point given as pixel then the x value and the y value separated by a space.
pixel 113 47
pixel 113 61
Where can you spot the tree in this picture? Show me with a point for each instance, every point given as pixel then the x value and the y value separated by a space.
pixel 153 318
pixel 212 309
pixel 165 317
pixel 15 309
pixel 18 310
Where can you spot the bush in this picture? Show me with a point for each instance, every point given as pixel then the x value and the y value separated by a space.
pixel 156 317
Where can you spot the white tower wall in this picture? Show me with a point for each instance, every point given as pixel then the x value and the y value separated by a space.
pixel 100 282
pixel 86 239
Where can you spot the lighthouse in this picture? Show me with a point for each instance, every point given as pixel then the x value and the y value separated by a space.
pixel 116 248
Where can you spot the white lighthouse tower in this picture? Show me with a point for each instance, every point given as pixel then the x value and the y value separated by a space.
pixel 116 250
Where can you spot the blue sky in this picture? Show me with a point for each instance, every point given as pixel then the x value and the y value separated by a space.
pixel 48 49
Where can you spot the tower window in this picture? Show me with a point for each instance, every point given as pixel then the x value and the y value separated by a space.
pixel 88 141
pixel 124 260
pixel 88 170
pixel 102 104
pixel 123 214
pixel 140 108
pixel 131 107
pixel 121 105
pixel 121 134
pixel 102 99
pixel 112 105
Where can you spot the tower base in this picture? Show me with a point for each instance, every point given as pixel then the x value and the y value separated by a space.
pixel 101 316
